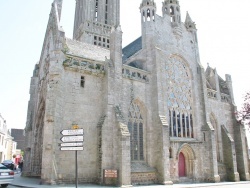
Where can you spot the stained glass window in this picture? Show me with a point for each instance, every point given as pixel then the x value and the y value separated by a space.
pixel 179 99
pixel 135 126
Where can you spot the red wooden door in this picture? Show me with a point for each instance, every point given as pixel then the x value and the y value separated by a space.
pixel 182 170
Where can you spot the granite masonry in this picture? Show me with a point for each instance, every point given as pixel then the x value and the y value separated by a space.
pixel 151 113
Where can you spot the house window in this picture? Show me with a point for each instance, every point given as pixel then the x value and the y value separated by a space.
pixel 82 81
pixel 96 10
pixel 106 12
pixel 95 40
pixel 170 153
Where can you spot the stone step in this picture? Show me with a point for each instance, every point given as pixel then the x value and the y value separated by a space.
pixel 185 180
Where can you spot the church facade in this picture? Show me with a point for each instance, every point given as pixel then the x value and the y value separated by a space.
pixel 149 111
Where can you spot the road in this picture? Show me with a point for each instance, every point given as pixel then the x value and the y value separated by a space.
pixel 217 186
pixel 230 186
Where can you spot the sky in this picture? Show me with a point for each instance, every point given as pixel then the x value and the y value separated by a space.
pixel 223 36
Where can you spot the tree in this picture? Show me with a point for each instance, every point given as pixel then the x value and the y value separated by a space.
pixel 243 115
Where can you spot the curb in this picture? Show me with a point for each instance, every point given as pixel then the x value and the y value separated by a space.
pixel 210 184
pixel 15 185
pixel 171 186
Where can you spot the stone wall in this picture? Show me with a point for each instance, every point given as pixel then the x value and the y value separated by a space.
pixel 241 152
pixel 222 171
pixel 92 104
pixel 145 178
pixel 82 105
pixel 229 156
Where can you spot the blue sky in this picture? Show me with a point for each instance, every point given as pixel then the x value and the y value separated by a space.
pixel 223 35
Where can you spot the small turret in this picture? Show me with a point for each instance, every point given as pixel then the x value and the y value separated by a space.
pixel 148 10
pixel 148 24
pixel 190 25
pixel 172 8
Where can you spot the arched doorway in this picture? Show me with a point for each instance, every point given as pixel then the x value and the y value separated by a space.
pixel 186 161
pixel 182 165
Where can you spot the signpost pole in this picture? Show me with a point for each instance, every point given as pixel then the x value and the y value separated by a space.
pixel 73 140
pixel 76 170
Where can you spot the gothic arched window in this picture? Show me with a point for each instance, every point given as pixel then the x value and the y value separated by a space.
pixel 135 126
pixel 179 98
pixel 172 10
pixel 143 16
pixel 148 15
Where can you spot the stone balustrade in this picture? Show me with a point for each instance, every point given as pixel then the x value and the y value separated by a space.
pixel 225 98
pixel 101 25
pixel 212 93
pixel 84 65
pixel 134 73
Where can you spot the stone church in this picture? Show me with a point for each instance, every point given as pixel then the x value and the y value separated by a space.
pixel 150 111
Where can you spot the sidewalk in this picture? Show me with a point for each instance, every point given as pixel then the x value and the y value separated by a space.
pixel 28 182
pixel 32 182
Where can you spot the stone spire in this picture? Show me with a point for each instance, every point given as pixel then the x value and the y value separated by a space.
pixel 189 23
pixel 58 4
pixel 94 20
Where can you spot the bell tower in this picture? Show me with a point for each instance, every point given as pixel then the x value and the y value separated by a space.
pixel 148 13
pixel 172 8
pixel 94 20
pixel 148 10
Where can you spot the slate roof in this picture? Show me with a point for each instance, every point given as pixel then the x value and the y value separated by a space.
pixel 94 52
pixel 86 50
pixel 131 49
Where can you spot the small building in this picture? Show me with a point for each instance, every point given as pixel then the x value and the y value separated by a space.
pixel 19 138
pixel 7 145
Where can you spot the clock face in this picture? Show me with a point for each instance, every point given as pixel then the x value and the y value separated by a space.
pixel 178 84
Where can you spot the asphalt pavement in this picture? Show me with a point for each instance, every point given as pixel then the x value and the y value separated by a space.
pixel 28 182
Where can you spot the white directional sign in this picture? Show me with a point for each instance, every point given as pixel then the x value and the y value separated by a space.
pixel 71 148
pixel 71 144
pixel 72 132
pixel 72 139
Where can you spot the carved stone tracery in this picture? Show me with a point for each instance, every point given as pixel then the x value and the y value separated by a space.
pixel 179 97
